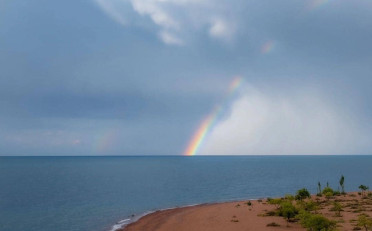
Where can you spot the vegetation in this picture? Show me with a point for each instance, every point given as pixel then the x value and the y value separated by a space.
pixel 364 221
pixel 342 180
pixel 289 197
pixel 316 222
pixel 302 194
pixel 300 209
pixel 337 207
pixel 276 201
pixel 287 210
pixel 273 224
pixel 308 205
pixel 336 193
pixel 328 190
pixel 363 189
pixel 319 189
pixel 234 219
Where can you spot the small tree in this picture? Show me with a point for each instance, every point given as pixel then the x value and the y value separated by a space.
pixel 363 188
pixel 364 221
pixel 337 207
pixel 302 194
pixel 342 184
pixel 319 189
pixel 287 210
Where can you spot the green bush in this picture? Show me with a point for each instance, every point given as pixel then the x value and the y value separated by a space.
pixel 308 205
pixel 327 190
pixel 289 197
pixel 316 222
pixel 337 207
pixel 276 201
pixel 287 210
pixel 302 194
pixel 336 193
pixel 364 221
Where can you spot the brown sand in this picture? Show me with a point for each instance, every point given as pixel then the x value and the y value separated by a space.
pixel 238 216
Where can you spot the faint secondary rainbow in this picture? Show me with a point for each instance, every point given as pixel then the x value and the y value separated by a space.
pixel 267 47
pixel 210 120
pixel 317 3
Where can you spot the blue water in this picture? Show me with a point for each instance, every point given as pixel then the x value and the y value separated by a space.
pixel 93 193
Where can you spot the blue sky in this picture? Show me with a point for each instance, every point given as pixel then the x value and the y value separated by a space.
pixel 137 77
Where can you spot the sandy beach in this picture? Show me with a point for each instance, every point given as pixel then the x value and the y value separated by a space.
pixel 239 216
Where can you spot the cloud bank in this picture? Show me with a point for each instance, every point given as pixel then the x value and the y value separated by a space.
pixel 274 122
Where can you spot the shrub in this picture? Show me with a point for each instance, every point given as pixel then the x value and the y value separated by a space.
pixel 363 188
pixel 270 213
pixel 336 193
pixel 302 194
pixel 287 210
pixel 275 202
pixel 273 224
pixel 364 221
pixel 316 222
pixel 327 190
pixel 309 206
pixel 328 195
pixel 337 207
pixel 289 197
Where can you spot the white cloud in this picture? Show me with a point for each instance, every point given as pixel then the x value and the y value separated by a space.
pixel 286 123
pixel 112 9
pixel 221 29
pixel 177 19
pixel 168 38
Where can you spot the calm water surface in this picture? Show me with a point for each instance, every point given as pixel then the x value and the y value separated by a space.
pixel 93 193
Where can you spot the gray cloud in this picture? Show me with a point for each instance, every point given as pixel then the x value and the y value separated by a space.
pixel 82 76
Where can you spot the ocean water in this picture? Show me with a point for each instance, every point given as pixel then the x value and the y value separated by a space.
pixel 95 193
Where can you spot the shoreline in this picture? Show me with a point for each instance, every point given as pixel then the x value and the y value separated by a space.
pixel 120 226
pixel 239 215
pixel 165 213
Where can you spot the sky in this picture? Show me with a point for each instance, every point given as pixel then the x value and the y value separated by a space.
pixel 142 77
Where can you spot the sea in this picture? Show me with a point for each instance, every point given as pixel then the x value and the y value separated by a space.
pixel 104 193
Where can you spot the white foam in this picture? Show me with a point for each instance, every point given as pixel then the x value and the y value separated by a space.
pixel 120 224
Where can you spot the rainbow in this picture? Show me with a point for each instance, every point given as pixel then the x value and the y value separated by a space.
pixel 104 141
pixel 317 3
pixel 210 120
pixel 267 47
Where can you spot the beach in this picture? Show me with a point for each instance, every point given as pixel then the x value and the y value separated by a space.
pixel 239 216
